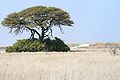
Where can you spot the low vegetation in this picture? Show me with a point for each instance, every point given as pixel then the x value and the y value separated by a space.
pixel 60 66
pixel 35 45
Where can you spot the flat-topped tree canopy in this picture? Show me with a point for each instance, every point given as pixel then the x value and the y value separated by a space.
pixel 35 18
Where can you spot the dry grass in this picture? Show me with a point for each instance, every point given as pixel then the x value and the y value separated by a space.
pixel 60 66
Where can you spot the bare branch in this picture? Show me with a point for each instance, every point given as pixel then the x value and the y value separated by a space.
pixel 61 29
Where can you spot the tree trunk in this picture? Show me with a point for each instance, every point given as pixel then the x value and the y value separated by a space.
pixel 32 34
pixel 33 31
pixel 37 33
pixel 42 33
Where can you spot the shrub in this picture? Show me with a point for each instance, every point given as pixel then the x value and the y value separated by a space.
pixel 56 45
pixel 26 45
pixel 36 45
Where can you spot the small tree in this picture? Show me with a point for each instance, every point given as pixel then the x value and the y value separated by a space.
pixel 37 18
pixel 112 48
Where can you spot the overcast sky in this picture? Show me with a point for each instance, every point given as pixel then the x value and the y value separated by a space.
pixel 95 20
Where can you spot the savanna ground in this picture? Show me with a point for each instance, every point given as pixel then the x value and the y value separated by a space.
pixel 89 64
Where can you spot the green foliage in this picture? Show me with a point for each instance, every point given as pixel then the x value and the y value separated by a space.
pixel 26 45
pixel 56 45
pixel 36 45
pixel 37 17
pixel 34 19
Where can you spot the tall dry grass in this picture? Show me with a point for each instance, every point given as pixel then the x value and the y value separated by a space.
pixel 60 66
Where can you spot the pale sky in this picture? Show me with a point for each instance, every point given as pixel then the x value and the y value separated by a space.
pixel 95 20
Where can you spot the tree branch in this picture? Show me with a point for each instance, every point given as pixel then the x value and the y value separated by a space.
pixel 61 29
pixel 33 31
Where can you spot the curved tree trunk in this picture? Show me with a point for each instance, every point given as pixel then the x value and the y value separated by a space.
pixel 37 33
pixel 32 34
pixel 33 31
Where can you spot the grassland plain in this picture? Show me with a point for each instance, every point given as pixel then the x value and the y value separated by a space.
pixel 92 65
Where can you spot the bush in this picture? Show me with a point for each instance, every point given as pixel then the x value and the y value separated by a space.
pixel 26 45
pixel 56 45
pixel 36 45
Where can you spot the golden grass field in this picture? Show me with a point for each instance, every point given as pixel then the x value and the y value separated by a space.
pixel 89 65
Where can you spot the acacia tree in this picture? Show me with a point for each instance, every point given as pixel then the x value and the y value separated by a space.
pixel 38 20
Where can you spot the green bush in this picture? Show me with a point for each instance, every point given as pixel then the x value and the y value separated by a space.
pixel 26 45
pixel 36 45
pixel 56 45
